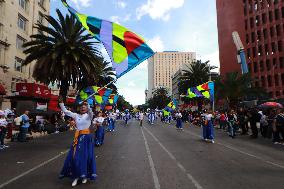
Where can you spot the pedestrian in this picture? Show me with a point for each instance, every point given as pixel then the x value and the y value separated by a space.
pixel 242 121
pixel 141 117
pixel 253 119
pixel 208 127
pixel 3 130
pixel 223 121
pixel 100 132
pixel 263 124
pixel 80 162
pixel 232 124
pixel 24 127
pixel 278 127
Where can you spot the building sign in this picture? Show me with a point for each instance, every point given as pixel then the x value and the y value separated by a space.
pixel 33 90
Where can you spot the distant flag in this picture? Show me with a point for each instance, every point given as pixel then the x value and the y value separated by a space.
pixel 205 90
pixel 125 48
pixel 171 106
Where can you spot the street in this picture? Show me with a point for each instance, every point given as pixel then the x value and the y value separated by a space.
pixel 150 157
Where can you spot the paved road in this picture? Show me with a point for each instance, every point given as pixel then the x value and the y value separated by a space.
pixel 153 157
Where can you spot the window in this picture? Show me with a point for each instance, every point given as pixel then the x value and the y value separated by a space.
pixel 264 18
pixel 23 4
pixel 262 81
pixel 19 42
pixel 18 64
pixel 278 30
pixel 282 79
pixel 280 46
pixel 255 68
pixel 41 3
pixel 261 66
pixel 272 31
pixel 268 66
pixel 276 12
pixel 22 22
pixel 40 17
pixel 269 81
pixel 281 62
pixel 270 16
pixel 1 31
pixel 265 34
pixel 276 79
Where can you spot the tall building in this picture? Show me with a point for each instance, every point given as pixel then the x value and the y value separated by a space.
pixel 163 65
pixel 17 20
pixel 260 24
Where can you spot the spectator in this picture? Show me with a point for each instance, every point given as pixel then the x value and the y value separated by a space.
pixel 3 130
pixel 242 121
pixel 278 127
pixel 253 119
pixel 24 127
pixel 263 124
pixel 223 121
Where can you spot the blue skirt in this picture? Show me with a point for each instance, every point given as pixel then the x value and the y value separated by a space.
pixel 208 131
pixel 179 124
pixel 82 164
pixel 100 135
pixel 111 125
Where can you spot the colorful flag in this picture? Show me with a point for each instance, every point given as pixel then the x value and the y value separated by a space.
pixel 125 48
pixel 205 90
pixel 171 106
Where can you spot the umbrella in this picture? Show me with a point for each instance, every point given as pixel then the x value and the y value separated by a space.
pixel 271 105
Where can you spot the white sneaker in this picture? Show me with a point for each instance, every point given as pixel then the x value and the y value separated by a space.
pixel 84 181
pixel 276 143
pixel 5 146
pixel 75 182
pixel 212 141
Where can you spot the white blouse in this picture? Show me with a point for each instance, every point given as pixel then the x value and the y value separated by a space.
pixel 99 121
pixel 82 121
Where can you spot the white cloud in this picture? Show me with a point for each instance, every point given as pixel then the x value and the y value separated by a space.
pixel 131 84
pixel 121 4
pixel 156 44
pixel 119 20
pixel 82 3
pixel 158 9
pixel 213 58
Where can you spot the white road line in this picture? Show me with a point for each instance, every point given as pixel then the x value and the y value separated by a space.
pixel 240 151
pixel 151 162
pixel 189 176
pixel 31 170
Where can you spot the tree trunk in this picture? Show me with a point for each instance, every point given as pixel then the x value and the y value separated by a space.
pixel 64 86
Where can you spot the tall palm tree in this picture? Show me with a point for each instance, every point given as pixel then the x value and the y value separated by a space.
pixel 196 74
pixel 235 87
pixel 63 53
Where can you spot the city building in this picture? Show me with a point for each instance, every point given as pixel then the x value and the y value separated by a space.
pixel 260 25
pixel 17 20
pixel 163 65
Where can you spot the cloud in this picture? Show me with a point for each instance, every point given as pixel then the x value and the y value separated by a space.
pixel 158 9
pixel 213 58
pixel 81 3
pixel 131 84
pixel 156 44
pixel 121 4
pixel 119 20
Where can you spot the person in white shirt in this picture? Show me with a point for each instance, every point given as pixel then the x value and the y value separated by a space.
pixel 141 117
pixel 207 127
pixel 112 118
pixel 100 132
pixel 179 121
pixel 3 129
pixel 80 162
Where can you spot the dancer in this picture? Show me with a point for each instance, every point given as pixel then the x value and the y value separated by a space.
pixel 80 162
pixel 151 117
pixel 127 117
pixel 141 117
pixel 100 132
pixel 111 121
pixel 179 121
pixel 208 128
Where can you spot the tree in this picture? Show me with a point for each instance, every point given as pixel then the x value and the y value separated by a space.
pixel 63 53
pixel 160 99
pixel 122 104
pixel 235 87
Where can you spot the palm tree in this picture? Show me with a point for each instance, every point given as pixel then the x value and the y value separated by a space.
pixel 196 74
pixel 160 98
pixel 235 87
pixel 63 53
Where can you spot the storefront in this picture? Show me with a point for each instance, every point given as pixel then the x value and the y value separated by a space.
pixel 30 96
pixel 53 103
pixel 2 93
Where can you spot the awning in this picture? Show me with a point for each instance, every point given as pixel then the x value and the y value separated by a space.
pixel 2 90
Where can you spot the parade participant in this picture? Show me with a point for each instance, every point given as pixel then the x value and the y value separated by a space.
pixel 141 117
pixel 179 120
pixel 126 117
pixel 111 121
pixel 3 130
pixel 80 162
pixel 100 132
pixel 208 128
pixel 151 117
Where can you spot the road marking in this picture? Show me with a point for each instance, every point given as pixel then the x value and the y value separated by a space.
pixel 151 162
pixel 32 169
pixel 189 176
pixel 240 151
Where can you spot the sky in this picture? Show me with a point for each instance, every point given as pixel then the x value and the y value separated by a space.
pixel 167 25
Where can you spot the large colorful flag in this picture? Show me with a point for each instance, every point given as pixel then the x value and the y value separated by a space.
pixel 125 48
pixel 205 90
pixel 171 106
pixel 100 95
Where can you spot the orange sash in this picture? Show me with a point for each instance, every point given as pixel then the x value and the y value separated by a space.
pixel 77 134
